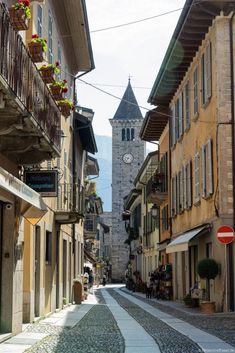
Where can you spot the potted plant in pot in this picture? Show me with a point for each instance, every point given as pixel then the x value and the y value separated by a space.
pixel 207 269
pixel 37 47
pixel 65 106
pixel 57 89
pixel 48 71
pixel 20 15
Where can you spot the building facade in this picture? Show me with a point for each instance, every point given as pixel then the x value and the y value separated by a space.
pixel 128 153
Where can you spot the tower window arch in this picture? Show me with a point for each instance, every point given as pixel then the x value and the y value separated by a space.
pixel 132 134
pixel 123 134
pixel 128 134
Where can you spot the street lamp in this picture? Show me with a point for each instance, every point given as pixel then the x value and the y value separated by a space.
pixel 154 211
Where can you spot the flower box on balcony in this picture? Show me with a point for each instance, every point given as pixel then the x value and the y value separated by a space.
pixel 47 74
pixel 36 52
pixel 57 89
pixel 18 19
pixel 65 107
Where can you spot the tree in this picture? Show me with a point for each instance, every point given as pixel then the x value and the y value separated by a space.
pixel 207 269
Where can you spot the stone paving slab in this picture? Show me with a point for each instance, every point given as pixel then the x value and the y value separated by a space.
pixel 133 331
pixel 206 341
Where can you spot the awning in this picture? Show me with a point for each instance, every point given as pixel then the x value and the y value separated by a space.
pixel 89 257
pixel 33 207
pixel 162 246
pixel 181 243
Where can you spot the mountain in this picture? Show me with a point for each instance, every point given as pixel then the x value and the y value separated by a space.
pixel 104 157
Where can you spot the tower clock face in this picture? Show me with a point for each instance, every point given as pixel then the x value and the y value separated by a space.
pixel 127 158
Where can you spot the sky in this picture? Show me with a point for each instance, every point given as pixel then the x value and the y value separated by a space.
pixel 134 51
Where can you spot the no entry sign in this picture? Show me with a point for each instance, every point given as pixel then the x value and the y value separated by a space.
pixel 225 234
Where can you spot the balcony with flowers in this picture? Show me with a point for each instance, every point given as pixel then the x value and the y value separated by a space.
pixel 29 116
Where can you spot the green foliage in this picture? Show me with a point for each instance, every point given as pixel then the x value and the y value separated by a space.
pixel 26 9
pixel 42 41
pixel 208 268
pixel 66 102
pixel 55 68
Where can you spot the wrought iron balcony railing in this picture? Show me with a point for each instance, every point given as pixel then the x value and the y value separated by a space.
pixel 29 117
pixel 70 198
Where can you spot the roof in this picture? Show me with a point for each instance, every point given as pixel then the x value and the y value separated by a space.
pixel 72 23
pixel 154 123
pixel 131 197
pixel 148 168
pixel 193 24
pixel 128 108
pixel 86 133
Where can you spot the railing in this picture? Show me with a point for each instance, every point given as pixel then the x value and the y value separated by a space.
pixel 70 198
pixel 22 76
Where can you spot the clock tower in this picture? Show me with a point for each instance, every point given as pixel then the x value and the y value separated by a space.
pixel 128 153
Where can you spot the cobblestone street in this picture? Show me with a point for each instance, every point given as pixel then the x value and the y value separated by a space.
pixel 115 320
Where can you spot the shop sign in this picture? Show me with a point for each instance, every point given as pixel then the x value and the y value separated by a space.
pixel 45 182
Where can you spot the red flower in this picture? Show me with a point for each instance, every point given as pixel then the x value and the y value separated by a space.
pixel 35 36
pixel 73 108
pixel 65 81
pixel 24 2
pixel 57 63
pixel 65 90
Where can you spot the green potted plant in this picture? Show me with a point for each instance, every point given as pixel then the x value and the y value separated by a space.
pixel 37 47
pixel 65 106
pixel 20 15
pixel 48 71
pixel 57 89
pixel 207 269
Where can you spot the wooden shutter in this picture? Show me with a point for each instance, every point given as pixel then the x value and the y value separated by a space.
pixel 187 106
pixel 172 127
pixel 208 72
pixel 197 177
pixel 184 177
pixel 209 168
pixel 195 91
pixel 203 171
pixel 189 184
pixel 180 110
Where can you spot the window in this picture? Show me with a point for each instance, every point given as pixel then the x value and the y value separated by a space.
pixel 39 21
pixel 165 223
pixel 207 169
pixel 48 252
pixel 50 40
pixel 181 117
pixel 195 91
pixel 180 192
pixel 123 134
pixel 128 134
pixel 132 134
pixel 172 127
pixel 188 182
pixel 173 196
pixel 206 74
pixel 49 164
pixel 164 172
pixel 197 178
pixel 59 56
pixel 187 106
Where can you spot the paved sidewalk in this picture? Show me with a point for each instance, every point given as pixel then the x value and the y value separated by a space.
pixel 206 341
pixel 67 317
pixel 137 340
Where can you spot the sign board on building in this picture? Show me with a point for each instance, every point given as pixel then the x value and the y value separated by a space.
pixel 225 234
pixel 45 182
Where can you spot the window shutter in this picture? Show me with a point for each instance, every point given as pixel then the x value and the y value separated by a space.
pixel 172 127
pixel 195 91
pixel 180 109
pixel 172 197
pixel 185 201
pixel 189 184
pixel 181 191
pixel 176 120
pixel 203 166
pixel 187 106
pixel 197 177
pixel 177 186
pixel 209 169
pixel 208 72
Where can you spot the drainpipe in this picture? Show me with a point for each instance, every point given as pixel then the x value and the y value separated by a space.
pixel 230 246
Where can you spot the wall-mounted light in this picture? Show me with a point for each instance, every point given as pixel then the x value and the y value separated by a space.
pixel 154 211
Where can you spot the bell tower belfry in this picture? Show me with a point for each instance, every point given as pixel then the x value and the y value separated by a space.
pixel 128 153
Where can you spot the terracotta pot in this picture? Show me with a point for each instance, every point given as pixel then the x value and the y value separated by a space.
pixel 36 52
pixel 56 92
pixel 65 110
pixel 207 307
pixel 18 19
pixel 47 75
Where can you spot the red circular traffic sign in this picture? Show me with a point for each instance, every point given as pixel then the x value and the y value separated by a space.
pixel 225 234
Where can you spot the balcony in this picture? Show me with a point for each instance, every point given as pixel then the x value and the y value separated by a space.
pixel 70 203
pixel 156 191
pixel 90 226
pixel 29 117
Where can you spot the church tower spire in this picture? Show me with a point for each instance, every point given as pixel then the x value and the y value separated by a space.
pixel 128 152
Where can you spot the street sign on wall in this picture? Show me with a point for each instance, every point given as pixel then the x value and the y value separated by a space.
pixel 225 234
pixel 45 182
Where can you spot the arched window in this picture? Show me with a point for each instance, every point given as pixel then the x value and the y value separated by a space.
pixel 123 134
pixel 132 134
pixel 128 134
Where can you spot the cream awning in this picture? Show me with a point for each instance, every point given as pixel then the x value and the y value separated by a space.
pixel 33 207
pixel 181 243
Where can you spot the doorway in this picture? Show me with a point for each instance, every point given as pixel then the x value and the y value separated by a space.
pixel 64 269
pixel 57 269
pixel 37 272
